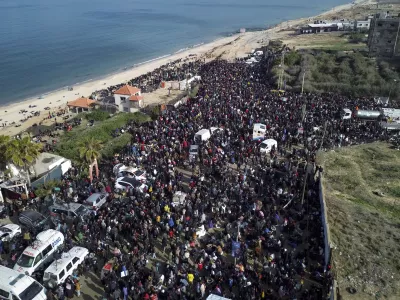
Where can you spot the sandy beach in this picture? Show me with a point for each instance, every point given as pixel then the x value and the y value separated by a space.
pixel 238 45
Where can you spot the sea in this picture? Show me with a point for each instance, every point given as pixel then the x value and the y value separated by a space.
pixel 47 45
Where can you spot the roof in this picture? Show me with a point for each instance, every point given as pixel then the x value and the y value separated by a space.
pixel 47 162
pixel 135 98
pixel 19 281
pixel 81 102
pixel 94 197
pixel 321 25
pixel 127 90
pixel 58 265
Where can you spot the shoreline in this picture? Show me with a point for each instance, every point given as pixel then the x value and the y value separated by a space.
pixel 57 99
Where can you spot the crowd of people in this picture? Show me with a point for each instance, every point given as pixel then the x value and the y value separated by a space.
pixel 176 70
pixel 248 225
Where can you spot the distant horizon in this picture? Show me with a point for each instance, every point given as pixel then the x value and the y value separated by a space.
pixel 48 46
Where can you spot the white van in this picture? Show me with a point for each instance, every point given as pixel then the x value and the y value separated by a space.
pixel 346 114
pixel 17 286
pixel 266 146
pixel 41 251
pixel 259 131
pixel 60 269
pixel 202 135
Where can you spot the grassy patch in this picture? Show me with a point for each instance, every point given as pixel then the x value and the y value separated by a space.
pixel 362 185
pixel 101 131
pixel 327 68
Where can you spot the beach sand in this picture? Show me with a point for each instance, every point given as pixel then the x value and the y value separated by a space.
pixel 229 48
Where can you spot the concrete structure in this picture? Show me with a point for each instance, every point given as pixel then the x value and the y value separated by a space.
pixel 362 25
pixel 383 37
pixel 81 105
pixel 319 28
pixel 128 99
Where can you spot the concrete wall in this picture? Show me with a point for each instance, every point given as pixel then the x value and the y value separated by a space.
pixel 327 237
pixel 324 216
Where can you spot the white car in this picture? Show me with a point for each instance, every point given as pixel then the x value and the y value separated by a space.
pixel 201 231
pixel 9 231
pixel 96 200
pixel 123 182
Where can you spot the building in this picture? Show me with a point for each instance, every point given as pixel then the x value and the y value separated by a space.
pixel 362 25
pixel 81 105
pixel 383 37
pixel 318 28
pixel 128 99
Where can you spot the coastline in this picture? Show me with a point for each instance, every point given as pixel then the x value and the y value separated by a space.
pixel 236 45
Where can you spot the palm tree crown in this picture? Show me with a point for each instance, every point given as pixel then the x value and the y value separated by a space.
pixel 89 150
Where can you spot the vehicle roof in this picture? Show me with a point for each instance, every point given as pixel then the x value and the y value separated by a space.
pixel 10 226
pixel 71 207
pixel 130 180
pixel 194 147
pixel 41 241
pixel 269 141
pixel 59 264
pixel 203 131
pixel 94 197
pixel 18 281
pixel 31 214
pixel 259 124
pixel 346 110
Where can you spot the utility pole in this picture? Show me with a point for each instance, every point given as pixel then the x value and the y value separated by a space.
pixel 302 84
pixel 395 42
pixel 323 136
pixel 305 183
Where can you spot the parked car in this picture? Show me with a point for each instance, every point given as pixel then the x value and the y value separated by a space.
pixel 69 211
pixel 96 200
pixel 34 220
pixel 9 231
pixel 123 182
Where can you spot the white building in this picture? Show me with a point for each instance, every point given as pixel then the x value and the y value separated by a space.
pixel 128 99
pixel 362 25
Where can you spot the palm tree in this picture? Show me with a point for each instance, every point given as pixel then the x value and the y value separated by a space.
pixel 4 141
pixel 23 153
pixel 89 152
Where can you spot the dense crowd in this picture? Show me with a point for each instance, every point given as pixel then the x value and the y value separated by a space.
pixel 176 70
pixel 261 211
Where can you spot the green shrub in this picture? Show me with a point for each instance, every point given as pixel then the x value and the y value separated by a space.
pixel 67 147
pixel 97 115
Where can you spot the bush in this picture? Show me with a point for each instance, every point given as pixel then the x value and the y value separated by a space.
pixel 356 37
pixel 97 115
pixel 67 147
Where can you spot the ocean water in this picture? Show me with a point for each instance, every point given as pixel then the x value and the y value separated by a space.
pixel 49 44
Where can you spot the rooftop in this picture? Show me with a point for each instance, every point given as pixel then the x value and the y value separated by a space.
pixel 127 90
pixel 81 102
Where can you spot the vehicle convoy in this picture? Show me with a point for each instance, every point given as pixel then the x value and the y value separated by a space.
pixel 17 286
pixel 61 269
pixel 36 256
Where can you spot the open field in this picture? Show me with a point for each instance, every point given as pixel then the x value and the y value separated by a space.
pixel 362 193
pixel 336 41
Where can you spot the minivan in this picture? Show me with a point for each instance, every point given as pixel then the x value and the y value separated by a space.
pixel 35 256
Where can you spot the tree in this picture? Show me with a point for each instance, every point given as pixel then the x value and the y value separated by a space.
pixel 89 153
pixel 4 141
pixel 23 153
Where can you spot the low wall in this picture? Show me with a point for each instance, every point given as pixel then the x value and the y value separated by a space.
pixel 327 237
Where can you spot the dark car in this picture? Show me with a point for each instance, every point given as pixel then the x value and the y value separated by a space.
pixel 34 220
